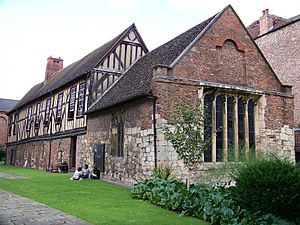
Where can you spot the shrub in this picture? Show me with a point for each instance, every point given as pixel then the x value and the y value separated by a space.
pixel 268 186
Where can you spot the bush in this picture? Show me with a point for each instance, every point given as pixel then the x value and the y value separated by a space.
pixel 269 186
pixel 206 202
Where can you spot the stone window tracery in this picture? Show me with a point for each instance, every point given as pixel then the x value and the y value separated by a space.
pixel 230 125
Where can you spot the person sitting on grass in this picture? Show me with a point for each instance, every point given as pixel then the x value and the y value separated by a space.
pixel 85 172
pixel 77 174
pixel 95 175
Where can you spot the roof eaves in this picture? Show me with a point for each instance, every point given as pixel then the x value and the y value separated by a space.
pixel 90 109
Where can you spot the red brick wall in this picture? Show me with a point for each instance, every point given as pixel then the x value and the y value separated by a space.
pixel 281 48
pixel 36 153
pixel 211 61
pixel 135 114
pixel 235 62
pixel 3 128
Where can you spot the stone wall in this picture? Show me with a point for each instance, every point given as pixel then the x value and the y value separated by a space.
pixel 138 160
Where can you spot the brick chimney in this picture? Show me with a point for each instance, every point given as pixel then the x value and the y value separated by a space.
pixel 53 65
pixel 266 22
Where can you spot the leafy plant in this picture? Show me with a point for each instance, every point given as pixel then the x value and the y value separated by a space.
pixel 270 186
pixel 186 133
pixel 162 173
pixel 214 204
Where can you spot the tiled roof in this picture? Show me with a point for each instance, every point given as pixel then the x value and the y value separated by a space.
pixel 71 72
pixel 7 104
pixel 136 82
pixel 254 28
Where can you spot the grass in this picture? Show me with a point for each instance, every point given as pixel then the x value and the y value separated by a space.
pixel 97 202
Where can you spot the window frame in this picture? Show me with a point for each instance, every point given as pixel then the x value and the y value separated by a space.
pixel 47 112
pixel 9 125
pixel 237 109
pixel 29 118
pixel 59 105
pixel 37 115
pixel 16 125
pixel 81 100
pixel 118 136
pixel 72 103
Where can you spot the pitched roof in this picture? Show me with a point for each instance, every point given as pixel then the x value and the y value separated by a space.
pixel 136 82
pixel 71 72
pixel 278 22
pixel 7 104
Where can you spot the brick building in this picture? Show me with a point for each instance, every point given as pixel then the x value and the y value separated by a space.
pixel 5 106
pixel 279 40
pixel 216 64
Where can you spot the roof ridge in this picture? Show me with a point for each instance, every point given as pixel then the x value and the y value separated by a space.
pixel 72 71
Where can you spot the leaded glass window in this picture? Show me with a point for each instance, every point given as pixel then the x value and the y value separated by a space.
pixel 37 115
pixel 81 100
pixel 208 126
pixel 59 108
pixel 72 103
pixel 47 112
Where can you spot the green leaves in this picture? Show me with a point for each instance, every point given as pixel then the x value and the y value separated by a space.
pixel 269 185
pixel 214 204
pixel 186 133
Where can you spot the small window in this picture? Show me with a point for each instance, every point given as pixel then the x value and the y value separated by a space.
pixel 72 103
pixel 37 115
pixel 81 100
pixel 29 115
pixel 59 108
pixel 47 112
pixel 9 125
pixel 16 126
pixel 118 136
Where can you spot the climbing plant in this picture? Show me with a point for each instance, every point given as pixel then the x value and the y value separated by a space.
pixel 185 131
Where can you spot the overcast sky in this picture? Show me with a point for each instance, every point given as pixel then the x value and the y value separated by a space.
pixel 33 30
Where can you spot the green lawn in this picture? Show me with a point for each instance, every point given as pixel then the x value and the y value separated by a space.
pixel 95 201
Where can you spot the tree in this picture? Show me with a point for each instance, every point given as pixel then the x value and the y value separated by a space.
pixel 186 133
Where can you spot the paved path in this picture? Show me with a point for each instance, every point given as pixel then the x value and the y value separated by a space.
pixel 16 210
pixel 9 176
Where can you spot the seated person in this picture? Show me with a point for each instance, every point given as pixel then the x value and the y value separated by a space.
pixel 85 172
pixel 77 174
pixel 95 173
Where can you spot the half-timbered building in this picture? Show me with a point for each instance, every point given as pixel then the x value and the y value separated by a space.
pixel 48 124
pixel 215 64
pixel 129 94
